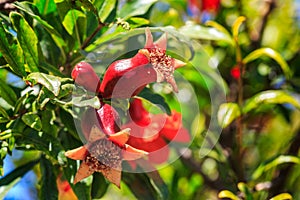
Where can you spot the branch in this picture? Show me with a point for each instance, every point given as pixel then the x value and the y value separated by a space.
pixel 89 39
pixel 266 11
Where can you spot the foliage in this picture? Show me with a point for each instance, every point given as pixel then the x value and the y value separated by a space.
pixel 252 153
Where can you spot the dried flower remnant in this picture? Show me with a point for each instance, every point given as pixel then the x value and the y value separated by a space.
pixel 104 154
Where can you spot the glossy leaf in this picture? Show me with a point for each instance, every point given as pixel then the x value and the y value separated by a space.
pixel 45 6
pixel 93 102
pixel 272 54
pixel 135 8
pixel 12 52
pixel 274 163
pixel 227 113
pixel 3 113
pixel 270 97
pixel 52 83
pixel 32 120
pixel 28 41
pixel 106 8
pixel 70 20
pixel 283 196
pixel 155 99
pixel 196 31
pixel 220 28
pixel 7 93
pixel 227 194
pixel 18 172
pixel 236 26
pixel 26 7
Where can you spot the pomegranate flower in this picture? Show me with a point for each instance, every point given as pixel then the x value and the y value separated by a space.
pixel 151 132
pixel 127 77
pixel 104 153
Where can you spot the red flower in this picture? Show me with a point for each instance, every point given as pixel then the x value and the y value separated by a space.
pixel 65 191
pixel 126 78
pixel 151 135
pixel 84 75
pixel 210 5
pixel 106 118
pixel 235 72
pixel 104 153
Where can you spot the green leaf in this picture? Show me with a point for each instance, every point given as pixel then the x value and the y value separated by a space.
pixel 28 41
pixel 48 190
pixel 196 31
pixel 283 196
pixel 155 99
pixel 45 6
pixel 106 8
pixel 18 172
pixel 12 51
pixel 99 186
pixel 227 113
pixel 58 39
pixel 71 18
pixel 80 102
pixel 20 102
pixel 227 194
pixel 245 190
pixel 269 97
pixel 7 93
pixel 4 113
pixel 5 189
pixel 52 83
pixel 135 8
pixel 137 22
pixel 274 163
pixel 272 54
pixel 32 120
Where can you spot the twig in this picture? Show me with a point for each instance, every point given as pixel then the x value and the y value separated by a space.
pixel 88 39
pixel 267 10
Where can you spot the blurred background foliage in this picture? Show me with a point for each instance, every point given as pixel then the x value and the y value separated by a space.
pixel 254 58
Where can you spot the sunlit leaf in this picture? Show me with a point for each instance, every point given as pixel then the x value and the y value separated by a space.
pixel 3 113
pixel 272 54
pixel 245 190
pixel 12 51
pixel 80 102
pixel 52 83
pixel 227 194
pixel 204 33
pixel 5 189
pixel 274 163
pixel 283 196
pixel 135 8
pixel 106 8
pixel 45 6
pixel 7 93
pixel 270 97
pixel 28 41
pixel 227 113
pixel 236 26
pixel 18 172
pixel 58 39
pixel 70 20
pixel 32 120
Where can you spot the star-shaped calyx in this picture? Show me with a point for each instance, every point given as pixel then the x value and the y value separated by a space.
pixel 163 64
pixel 104 154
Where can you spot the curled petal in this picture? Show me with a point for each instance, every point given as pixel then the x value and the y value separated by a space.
pixel 131 153
pixel 162 42
pixel 83 172
pixel 121 137
pixel 177 63
pixel 149 38
pixel 77 154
